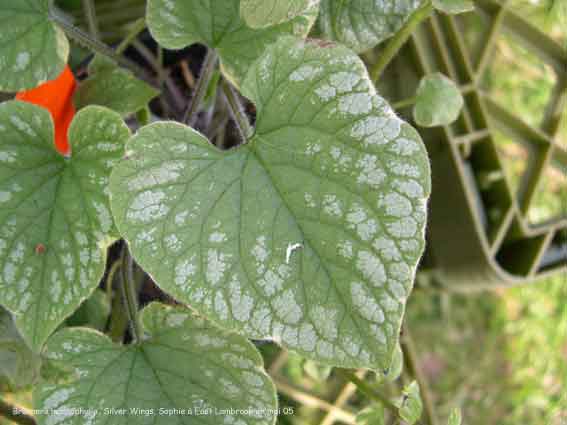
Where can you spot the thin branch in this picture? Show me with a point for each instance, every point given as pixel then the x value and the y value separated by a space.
pixel 237 111
pixel 90 16
pixel 399 39
pixel 207 70
pixel 15 414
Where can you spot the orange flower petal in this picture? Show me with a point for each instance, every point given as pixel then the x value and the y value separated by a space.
pixel 57 97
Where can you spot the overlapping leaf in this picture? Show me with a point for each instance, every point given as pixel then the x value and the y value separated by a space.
pixel 179 23
pixel 362 24
pixel 54 213
pixel 116 88
pixel 184 363
pixel 32 48
pixel 310 233
pixel 264 13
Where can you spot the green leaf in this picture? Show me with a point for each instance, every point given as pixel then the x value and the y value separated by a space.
pixel 438 101
pixel 454 6
pixel 310 233
pixel 32 48
pixel 55 219
pixel 19 366
pixel 362 24
pixel 265 13
pixel 114 87
pixel 92 313
pixel 373 415
pixel 176 24
pixel 455 417
pixel 317 371
pixel 183 363
pixel 410 406
pixel 396 365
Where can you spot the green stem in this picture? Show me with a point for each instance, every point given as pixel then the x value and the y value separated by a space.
pixel 136 28
pixel 110 279
pixel 130 294
pixel 411 359
pixel 90 16
pixel 207 70
pixel 237 111
pixel 94 45
pixel 368 390
pixel 399 39
pixel 404 103
pixel 14 414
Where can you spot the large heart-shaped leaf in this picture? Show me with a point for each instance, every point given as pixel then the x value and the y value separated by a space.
pixel 310 233
pixel 264 13
pixel 362 24
pixel 186 371
pixel 116 88
pixel 32 48
pixel 54 212
pixel 179 23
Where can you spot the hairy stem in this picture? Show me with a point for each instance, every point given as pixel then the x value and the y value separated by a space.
pixel 110 279
pixel 398 40
pixel 15 414
pixel 95 45
pixel 368 390
pixel 207 70
pixel 130 294
pixel 237 111
pixel 90 16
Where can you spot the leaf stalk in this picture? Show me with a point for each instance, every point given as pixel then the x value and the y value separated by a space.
pixel 130 294
pixel 399 39
pixel 90 16
pixel 207 70
pixel 136 28
pixel 95 45
pixel 369 391
pixel 237 111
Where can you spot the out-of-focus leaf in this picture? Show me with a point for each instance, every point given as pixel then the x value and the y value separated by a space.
pixel 438 101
